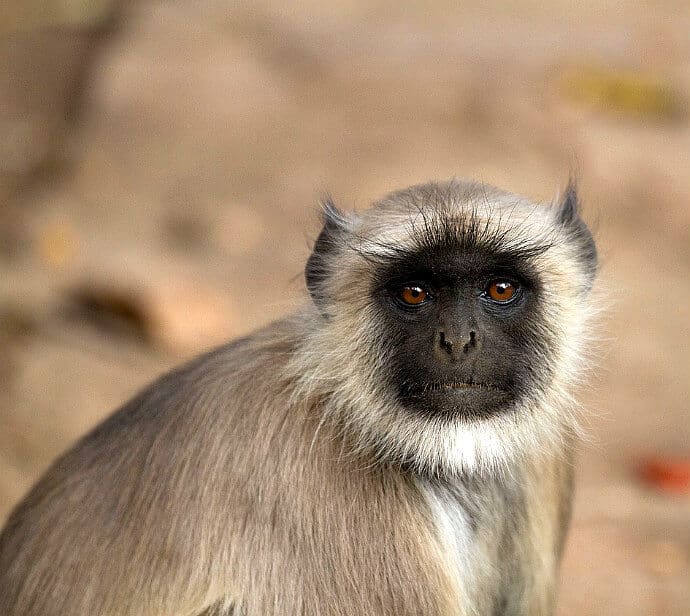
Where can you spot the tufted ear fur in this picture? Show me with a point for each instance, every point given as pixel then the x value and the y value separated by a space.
pixel 569 205
pixel 336 228
pixel 568 215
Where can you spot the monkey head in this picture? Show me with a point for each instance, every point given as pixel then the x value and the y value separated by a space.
pixel 452 319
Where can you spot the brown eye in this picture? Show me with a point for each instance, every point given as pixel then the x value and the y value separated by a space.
pixel 413 295
pixel 501 291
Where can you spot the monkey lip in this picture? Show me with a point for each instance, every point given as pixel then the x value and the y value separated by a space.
pixel 460 385
pixel 455 386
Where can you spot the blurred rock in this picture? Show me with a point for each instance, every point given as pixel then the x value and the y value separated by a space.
pixel 179 316
pixel 115 309
pixel 186 317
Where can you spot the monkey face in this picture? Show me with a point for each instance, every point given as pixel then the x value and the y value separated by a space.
pixel 463 331
pixel 452 317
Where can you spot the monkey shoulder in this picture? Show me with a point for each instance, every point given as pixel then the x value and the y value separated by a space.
pixel 181 420
pixel 202 395
pixel 146 483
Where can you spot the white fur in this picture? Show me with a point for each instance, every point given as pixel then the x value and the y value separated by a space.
pixel 458 545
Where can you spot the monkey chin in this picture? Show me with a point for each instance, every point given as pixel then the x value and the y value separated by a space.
pixel 470 431
pixel 459 400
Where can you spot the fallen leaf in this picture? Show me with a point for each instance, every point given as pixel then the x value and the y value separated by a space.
pixel 623 93
pixel 671 475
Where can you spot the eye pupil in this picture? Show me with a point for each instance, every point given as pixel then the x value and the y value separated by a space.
pixel 501 290
pixel 413 295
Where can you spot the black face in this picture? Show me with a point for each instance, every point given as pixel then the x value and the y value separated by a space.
pixel 463 333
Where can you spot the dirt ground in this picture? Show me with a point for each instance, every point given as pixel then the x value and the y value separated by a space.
pixel 177 209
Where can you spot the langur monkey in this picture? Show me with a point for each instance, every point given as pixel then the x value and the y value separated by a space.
pixel 400 446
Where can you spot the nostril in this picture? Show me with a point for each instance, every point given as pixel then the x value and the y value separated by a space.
pixel 471 343
pixel 444 343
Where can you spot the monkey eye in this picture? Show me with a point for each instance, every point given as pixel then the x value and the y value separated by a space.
pixel 502 291
pixel 413 295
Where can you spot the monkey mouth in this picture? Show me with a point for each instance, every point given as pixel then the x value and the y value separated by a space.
pixel 462 398
pixel 441 386
pixel 462 386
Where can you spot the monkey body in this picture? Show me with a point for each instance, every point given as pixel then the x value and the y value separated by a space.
pixel 282 474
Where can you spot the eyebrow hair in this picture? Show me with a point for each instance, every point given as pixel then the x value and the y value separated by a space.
pixel 469 234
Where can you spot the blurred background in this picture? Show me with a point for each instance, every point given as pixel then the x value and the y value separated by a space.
pixel 161 162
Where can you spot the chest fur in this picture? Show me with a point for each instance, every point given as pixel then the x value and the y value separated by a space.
pixel 479 528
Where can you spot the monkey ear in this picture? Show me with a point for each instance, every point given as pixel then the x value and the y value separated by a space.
pixel 568 215
pixel 569 205
pixel 336 227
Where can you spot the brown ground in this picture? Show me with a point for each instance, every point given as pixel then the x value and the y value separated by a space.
pixel 183 197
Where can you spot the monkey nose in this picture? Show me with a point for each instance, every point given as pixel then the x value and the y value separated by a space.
pixel 456 345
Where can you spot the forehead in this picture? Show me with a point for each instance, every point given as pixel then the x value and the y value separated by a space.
pixel 502 231
pixel 457 214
